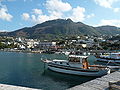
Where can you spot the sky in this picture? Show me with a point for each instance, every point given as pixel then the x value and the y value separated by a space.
pixel 17 14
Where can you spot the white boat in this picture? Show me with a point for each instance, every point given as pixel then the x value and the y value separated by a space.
pixel 66 52
pixel 109 57
pixel 77 65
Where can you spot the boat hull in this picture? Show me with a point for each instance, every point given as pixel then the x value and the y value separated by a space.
pixel 108 60
pixel 82 72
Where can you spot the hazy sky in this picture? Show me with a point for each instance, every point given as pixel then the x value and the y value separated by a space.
pixel 16 14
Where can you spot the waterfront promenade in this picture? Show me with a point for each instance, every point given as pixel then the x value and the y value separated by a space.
pixel 99 83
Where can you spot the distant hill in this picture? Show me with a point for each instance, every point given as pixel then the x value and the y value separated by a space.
pixel 108 30
pixel 62 27
pixel 117 37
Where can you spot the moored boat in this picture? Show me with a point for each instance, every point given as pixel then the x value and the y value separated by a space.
pixel 109 57
pixel 77 65
pixel 112 66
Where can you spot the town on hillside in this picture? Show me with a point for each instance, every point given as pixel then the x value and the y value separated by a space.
pixel 74 43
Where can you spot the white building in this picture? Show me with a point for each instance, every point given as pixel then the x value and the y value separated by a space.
pixel 47 44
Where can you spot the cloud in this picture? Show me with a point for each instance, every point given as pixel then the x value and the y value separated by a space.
pixel 4 15
pixel 106 3
pixel 37 11
pixel 25 16
pixel 58 6
pixel 78 14
pixel 39 18
pixel 42 17
pixel 3 30
pixel 57 9
pixel 27 0
pixel 112 22
pixel 91 15
pixel 116 9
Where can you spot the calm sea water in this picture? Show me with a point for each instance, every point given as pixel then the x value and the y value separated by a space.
pixel 26 69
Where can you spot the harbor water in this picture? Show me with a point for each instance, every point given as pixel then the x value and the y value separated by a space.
pixel 27 70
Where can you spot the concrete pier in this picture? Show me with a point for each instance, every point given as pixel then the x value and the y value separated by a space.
pixel 11 87
pixel 99 83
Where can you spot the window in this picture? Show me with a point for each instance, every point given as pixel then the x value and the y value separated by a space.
pixel 67 63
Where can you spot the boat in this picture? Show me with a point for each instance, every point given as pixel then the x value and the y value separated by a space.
pixel 66 52
pixel 76 65
pixel 109 57
pixel 111 65
pixel 48 52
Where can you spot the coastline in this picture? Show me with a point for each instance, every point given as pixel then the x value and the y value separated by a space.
pixel 24 51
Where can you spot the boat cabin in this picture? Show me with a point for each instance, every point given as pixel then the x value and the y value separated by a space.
pixel 76 58
pixel 60 62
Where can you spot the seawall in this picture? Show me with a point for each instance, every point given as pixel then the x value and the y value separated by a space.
pixel 11 87
pixel 101 83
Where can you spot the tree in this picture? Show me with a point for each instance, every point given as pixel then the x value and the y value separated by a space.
pixel 2 46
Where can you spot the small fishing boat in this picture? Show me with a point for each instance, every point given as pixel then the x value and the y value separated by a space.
pixel 111 65
pixel 109 57
pixel 77 65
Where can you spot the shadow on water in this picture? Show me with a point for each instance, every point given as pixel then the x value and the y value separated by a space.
pixel 66 79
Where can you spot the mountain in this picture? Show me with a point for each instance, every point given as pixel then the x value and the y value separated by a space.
pixel 108 30
pixel 60 28
pixel 117 37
